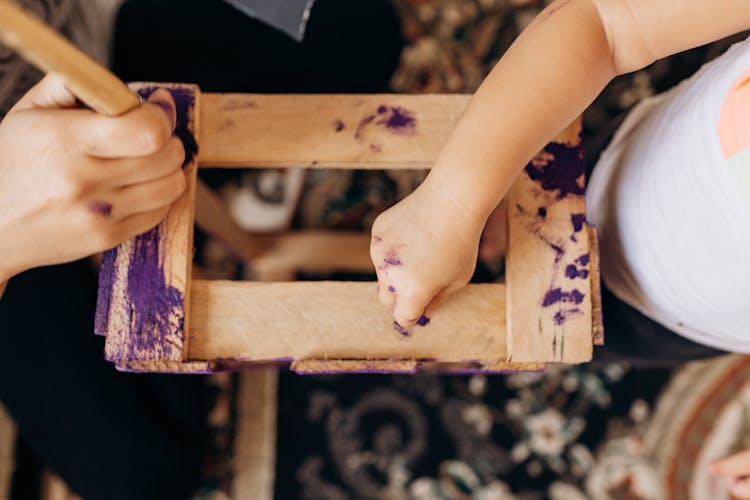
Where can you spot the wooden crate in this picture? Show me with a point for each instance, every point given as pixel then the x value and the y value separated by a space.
pixel 157 319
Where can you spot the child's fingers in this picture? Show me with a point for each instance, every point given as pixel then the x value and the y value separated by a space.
pixel 410 305
pixel 386 293
pixel 151 195
pixel 736 465
pixel 139 224
pixel 437 302
pixel 144 131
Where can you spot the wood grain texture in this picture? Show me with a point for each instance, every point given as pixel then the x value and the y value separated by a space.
pixel 382 131
pixel 50 51
pixel 144 284
pixel 337 320
pixel 548 258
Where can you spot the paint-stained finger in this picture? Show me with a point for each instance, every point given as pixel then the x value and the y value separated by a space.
pixel 142 132
pixel 410 305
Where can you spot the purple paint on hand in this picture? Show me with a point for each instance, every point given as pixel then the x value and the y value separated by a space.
pixel 563 173
pixel 101 208
pixel 391 288
pixel 339 126
pixel 577 220
pixel 423 320
pixel 168 108
pixel 400 329
pixel 184 100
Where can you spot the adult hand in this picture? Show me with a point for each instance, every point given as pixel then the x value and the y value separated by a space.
pixel 736 469
pixel 73 183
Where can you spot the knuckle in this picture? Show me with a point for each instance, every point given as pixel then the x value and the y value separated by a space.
pixel 152 137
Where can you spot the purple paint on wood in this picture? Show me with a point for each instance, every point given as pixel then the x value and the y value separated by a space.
pixel 339 125
pixel 573 272
pixel 101 208
pixel 563 315
pixel 156 308
pixel 104 294
pixel 376 148
pixel 397 120
pixel 559 252
pixel 563 173
pixel 362 124
pixel 542 212
pixel 400 329
pixel 423 320
pixel 555 295
pixel 583 260
pixel 184 100
pixel 577 220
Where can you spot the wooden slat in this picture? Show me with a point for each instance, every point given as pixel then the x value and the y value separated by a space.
pixel 548 258
pixel 144 285
pixel 326 131
pixel 338 320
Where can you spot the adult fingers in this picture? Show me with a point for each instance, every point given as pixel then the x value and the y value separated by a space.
pixel 141 132
pixel 50 92
pixel 123 172
pixel 149 196
pixel 736 465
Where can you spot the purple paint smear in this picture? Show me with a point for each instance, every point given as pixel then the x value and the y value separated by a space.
pixel 391 288
pixel 573 272
pixel 397 120
pixel 400 329
pixel 542 212
pixel 156 308
pixel 423 320
pixel 565 314
pixel 559 252
pixel 556 295
pixel 101 208
pixel 184 100
pixel 104 294
pixel 583 260
pixel 577 220
pixel 339 125
pixel 563 174
pixel 391 259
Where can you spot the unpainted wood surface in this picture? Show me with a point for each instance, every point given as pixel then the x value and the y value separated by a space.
pixel 381 131
pixel 548 258
pixel 337 320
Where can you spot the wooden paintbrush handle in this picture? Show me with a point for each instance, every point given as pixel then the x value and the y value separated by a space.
pixel 89 81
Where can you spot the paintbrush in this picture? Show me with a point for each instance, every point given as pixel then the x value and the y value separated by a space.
pixel 39 44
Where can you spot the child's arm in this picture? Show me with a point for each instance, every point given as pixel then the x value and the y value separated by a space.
pixel 556 67
pixel 73 183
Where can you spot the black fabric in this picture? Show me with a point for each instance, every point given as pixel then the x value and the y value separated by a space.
pixel 350 46
pixel 108 434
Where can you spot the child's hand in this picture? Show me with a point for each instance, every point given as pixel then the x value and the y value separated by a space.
pixel 737 470
pixel 73 183
pixel 423 249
